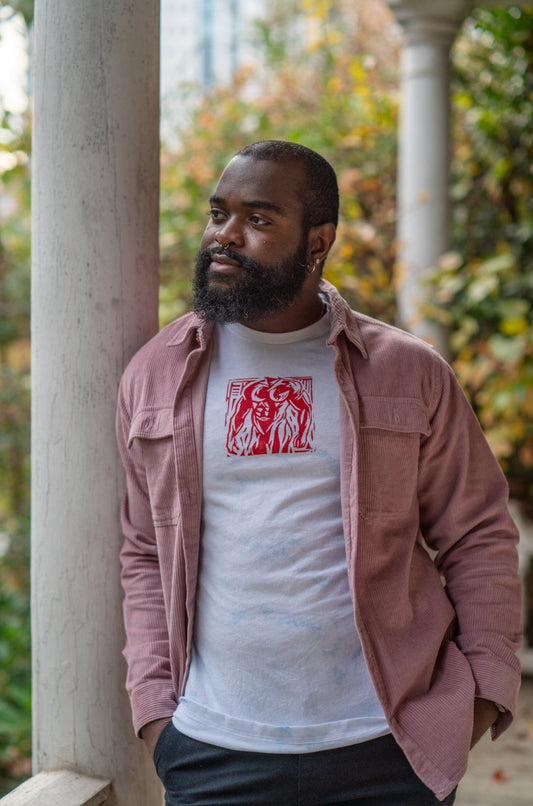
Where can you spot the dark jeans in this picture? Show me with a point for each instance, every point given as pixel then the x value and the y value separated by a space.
pixel 374 773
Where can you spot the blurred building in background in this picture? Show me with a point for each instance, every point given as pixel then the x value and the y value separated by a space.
pixel 204 41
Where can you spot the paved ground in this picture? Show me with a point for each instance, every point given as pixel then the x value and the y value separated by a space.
pixel 501 773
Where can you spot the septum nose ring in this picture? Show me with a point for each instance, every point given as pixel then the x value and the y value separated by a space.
pixel 223 245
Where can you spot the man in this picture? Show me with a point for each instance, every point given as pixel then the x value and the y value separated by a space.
pixel 289 637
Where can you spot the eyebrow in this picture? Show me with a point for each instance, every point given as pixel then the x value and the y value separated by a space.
pixel 256 203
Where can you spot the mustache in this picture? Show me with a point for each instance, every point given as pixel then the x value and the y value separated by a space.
pixel 248 265
pixel 219 250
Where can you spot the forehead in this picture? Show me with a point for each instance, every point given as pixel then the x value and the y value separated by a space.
pixel 246 179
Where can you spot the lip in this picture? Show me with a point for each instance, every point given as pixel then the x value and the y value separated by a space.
pixel 220 264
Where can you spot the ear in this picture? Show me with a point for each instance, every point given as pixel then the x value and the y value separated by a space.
pixel 321 239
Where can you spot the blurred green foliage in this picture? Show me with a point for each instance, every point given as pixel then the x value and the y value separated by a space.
pixel 15 671
pixel 23 7
pixel 493 139
pixel 15 704
pixel 483 291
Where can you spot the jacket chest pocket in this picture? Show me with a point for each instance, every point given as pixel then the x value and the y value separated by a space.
pixel 152 432
pixel 389 446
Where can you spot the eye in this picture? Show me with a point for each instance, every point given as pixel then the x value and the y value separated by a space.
pixel 215 215
pixel 258 221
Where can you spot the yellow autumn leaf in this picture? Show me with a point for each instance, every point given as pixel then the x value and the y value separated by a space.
pixel 335 84
pixel 514 327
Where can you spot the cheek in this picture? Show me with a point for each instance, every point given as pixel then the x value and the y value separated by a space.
pixel 206 239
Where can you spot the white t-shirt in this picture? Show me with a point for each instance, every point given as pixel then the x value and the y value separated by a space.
pixel 277 665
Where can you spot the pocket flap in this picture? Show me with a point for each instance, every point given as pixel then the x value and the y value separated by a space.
pixel 151 424
pixel 398 414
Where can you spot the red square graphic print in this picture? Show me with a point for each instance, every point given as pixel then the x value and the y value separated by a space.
pixel 269 415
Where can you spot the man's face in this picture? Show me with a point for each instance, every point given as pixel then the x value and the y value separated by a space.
pixel 253 254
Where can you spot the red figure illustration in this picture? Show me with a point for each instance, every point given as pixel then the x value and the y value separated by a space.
pixel 269 415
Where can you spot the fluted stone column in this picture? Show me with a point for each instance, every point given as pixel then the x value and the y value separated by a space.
pixel 429 28
pixel 94 301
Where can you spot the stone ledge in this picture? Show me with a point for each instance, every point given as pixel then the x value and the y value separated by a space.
pixel 61 788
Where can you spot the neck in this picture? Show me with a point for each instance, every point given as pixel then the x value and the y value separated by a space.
pixel 300 314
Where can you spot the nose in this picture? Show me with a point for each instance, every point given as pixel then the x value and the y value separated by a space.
pixel 220 240
pixel 229 233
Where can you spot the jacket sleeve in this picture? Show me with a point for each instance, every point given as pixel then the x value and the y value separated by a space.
pixel 149 681
pixel 463 498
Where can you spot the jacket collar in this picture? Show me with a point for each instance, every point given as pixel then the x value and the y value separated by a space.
pixel 191 325
pixel 342 319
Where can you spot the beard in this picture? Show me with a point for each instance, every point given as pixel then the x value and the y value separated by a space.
pixel 259 290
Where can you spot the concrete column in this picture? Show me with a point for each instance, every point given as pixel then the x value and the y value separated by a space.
pixel 429 28
pixel 94 300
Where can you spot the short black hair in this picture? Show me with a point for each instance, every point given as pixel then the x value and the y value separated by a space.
pixel 322 199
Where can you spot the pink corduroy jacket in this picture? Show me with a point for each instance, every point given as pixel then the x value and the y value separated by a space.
pixel 415 469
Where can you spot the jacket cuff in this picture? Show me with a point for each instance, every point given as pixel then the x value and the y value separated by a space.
pixel 155 699
pixel 500 684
